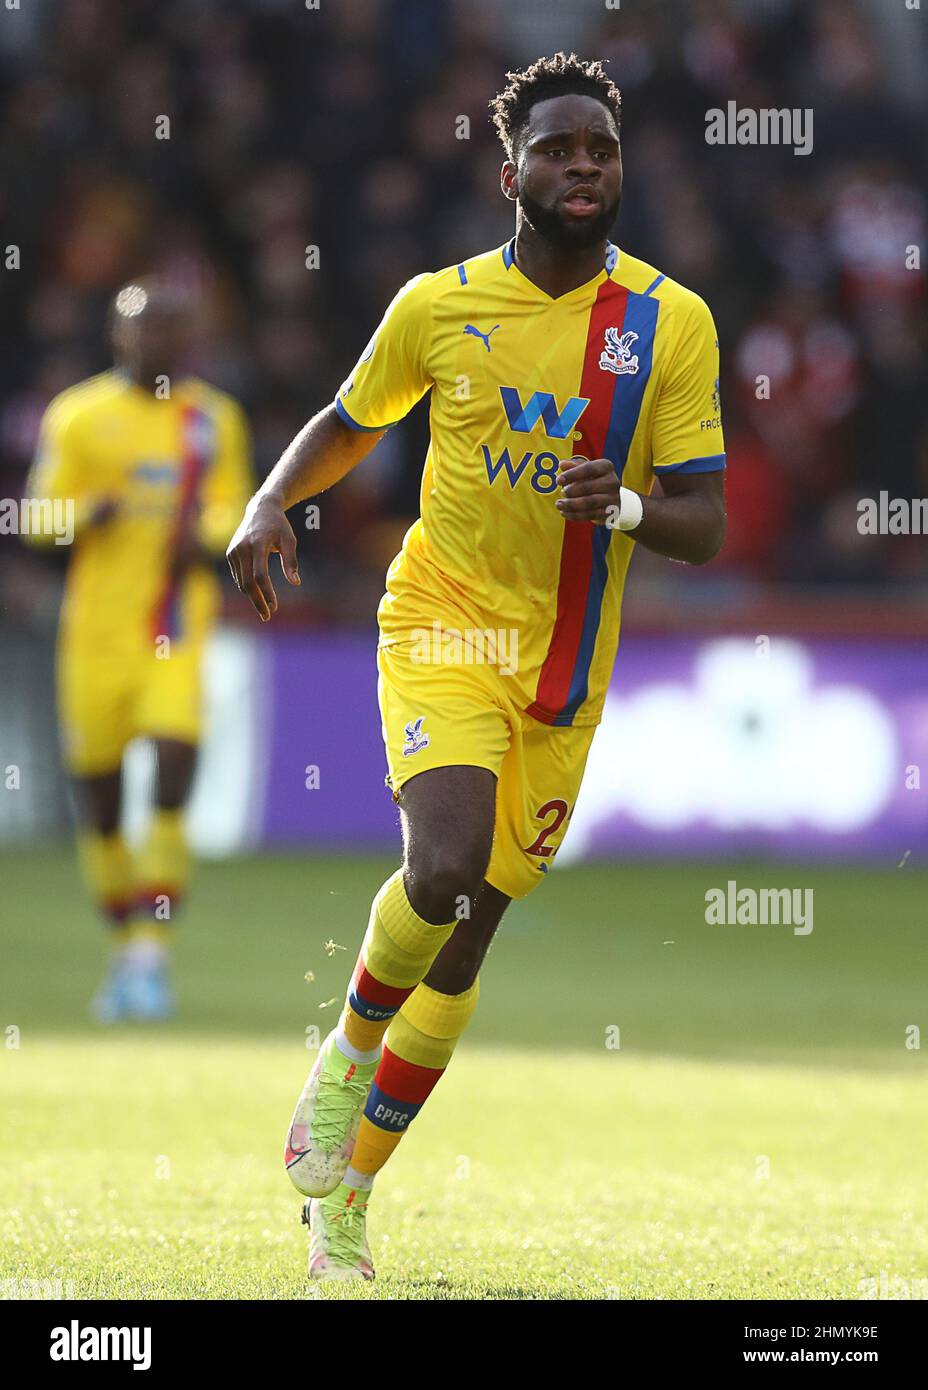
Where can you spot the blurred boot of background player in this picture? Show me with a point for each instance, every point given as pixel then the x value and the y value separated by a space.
pixel 156 467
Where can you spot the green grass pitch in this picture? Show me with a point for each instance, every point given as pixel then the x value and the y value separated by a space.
pixel 760 1132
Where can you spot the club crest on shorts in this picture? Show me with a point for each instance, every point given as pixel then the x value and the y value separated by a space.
pixel 415 739
pixel 616 357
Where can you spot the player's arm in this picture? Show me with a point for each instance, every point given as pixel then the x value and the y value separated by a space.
pixel 322 453
pixel 686 520
pixel 60 473
pixel 687 523
pixel 391 375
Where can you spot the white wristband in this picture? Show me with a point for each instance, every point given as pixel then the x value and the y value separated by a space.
pixel 631 509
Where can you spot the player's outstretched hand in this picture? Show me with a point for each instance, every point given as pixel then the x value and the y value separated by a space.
pixel 589 489
pixel 264 531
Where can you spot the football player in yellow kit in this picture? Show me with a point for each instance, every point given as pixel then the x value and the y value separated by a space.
pixel 155 469
pixel 566 376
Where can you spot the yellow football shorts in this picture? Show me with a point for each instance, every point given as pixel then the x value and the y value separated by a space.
pixel 442 715
pixel 105 701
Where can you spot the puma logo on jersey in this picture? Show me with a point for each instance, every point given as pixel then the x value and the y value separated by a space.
pixel 469 328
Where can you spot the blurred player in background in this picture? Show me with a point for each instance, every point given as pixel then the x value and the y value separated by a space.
pixel 156 467
pixel 566 376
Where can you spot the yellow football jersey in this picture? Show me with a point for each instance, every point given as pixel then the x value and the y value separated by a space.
pixel 624 367
pixel 180 461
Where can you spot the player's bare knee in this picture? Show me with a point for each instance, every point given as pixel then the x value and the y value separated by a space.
pixel 443 884
pixel 98 803
pixel 176 763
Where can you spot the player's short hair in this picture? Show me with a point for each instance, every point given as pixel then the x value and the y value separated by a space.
pixel 563 75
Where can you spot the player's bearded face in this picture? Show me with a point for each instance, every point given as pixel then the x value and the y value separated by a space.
pixel 555 225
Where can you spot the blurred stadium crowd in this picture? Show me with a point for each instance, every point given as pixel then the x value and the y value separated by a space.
pixel 337 128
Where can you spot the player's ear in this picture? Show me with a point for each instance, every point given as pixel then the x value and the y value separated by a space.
pixel 509 180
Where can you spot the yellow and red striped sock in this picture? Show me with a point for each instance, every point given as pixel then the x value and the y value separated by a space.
pixel 418 1048
pixel 162 873
pixel 107 868
pixel 398 949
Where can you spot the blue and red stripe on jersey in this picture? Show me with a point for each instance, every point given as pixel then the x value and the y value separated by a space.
pixel 399 1091
pixel 607 428
pixel 373 1000
pixel 197 434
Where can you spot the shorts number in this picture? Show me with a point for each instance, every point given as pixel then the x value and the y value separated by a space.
pixel 559 810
